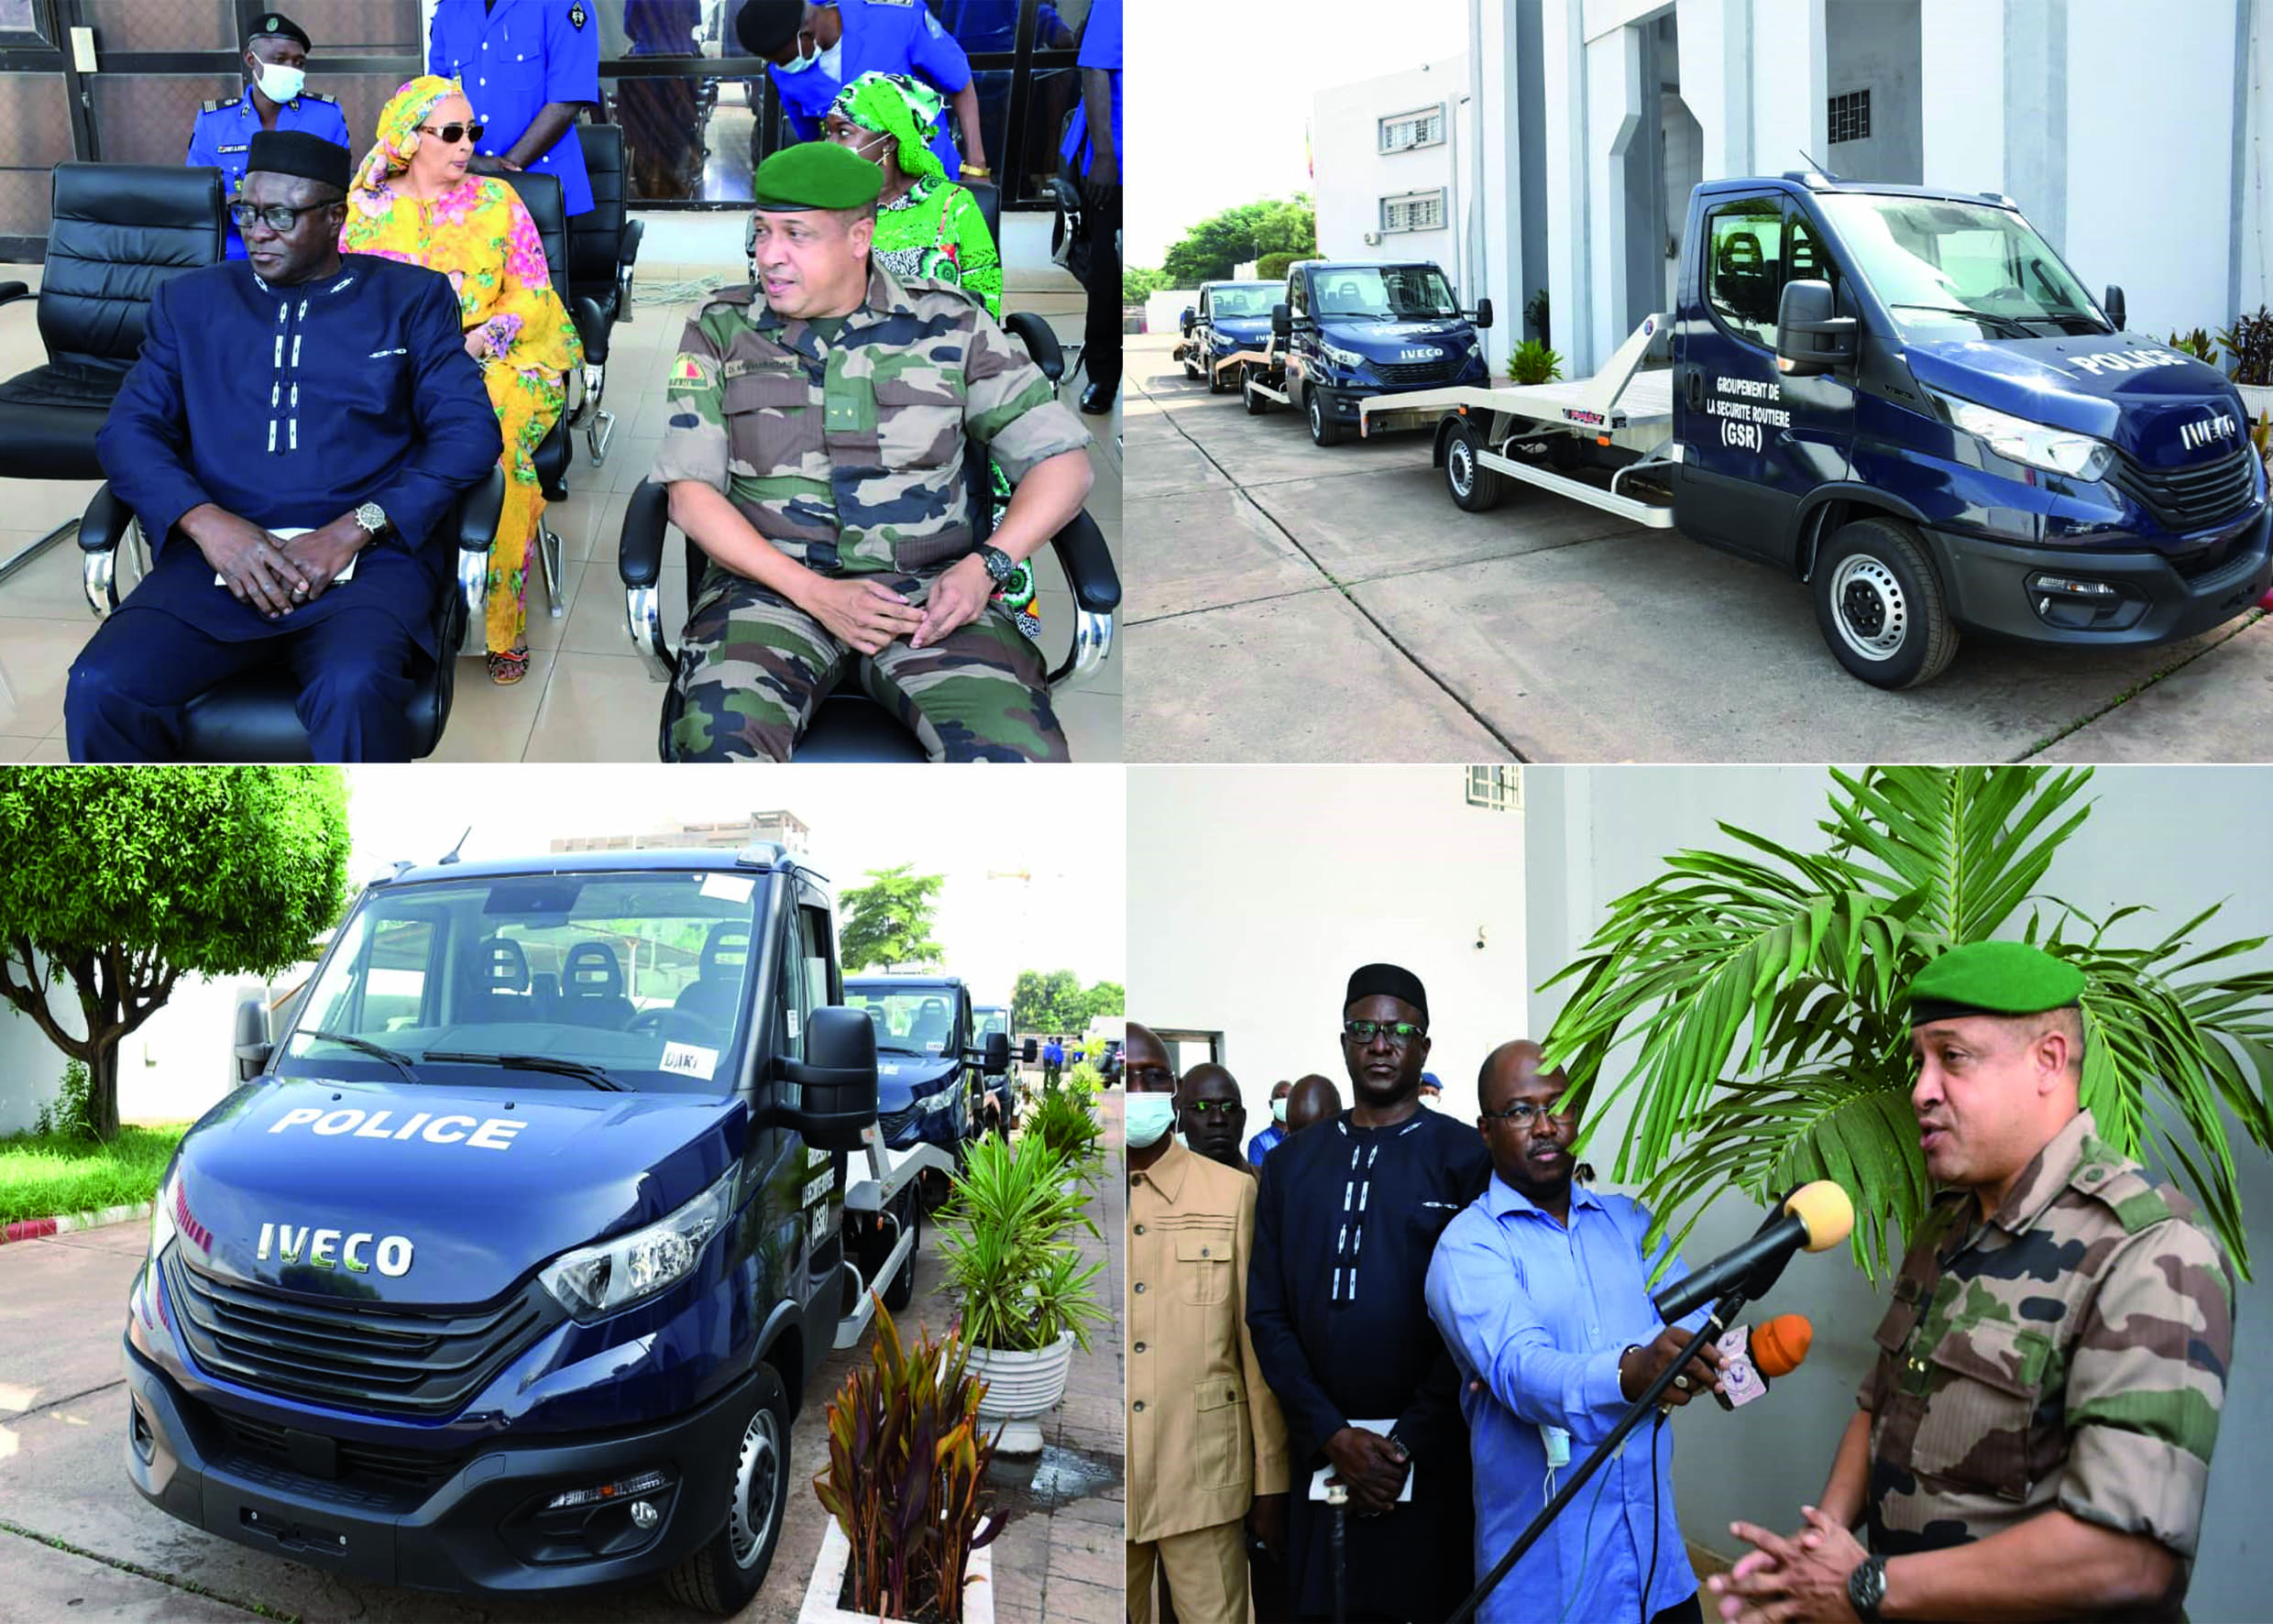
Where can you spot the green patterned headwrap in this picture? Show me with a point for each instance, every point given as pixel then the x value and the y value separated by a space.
pixel 905 109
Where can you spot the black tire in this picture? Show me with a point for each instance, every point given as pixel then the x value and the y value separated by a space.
pixel 1254 403
pixel 1880 605
pixel 723 1576
pixel 1216 383
pixel 1322 431
pixel 902 1292
pixel 1475 488
pixel 1191 371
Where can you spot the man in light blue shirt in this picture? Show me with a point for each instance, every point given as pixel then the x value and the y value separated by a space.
pixel 1540 1289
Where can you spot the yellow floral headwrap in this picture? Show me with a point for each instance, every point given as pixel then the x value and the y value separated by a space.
pixel 397 129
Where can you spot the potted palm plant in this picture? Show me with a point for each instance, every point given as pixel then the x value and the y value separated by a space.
pixel 1064 1120
pixel 1761 990
pixel 1013 1262
pixel 907 1459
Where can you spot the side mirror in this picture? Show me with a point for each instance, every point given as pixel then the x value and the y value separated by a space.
pixel 1281 321
pixel 836 1083
pixel 1809 337
pixel 996 1058
pixel 2113 305
pixel 251 1029
pixel 1031 1052
pixel 1483 314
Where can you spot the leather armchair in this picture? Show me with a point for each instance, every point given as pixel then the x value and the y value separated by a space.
pixel 603 245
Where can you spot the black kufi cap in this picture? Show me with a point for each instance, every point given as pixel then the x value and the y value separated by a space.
pixel 763 26
pixel 299 152
pixel 1373 980
pixel 275 25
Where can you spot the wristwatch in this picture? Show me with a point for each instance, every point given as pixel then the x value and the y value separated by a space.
pixel 1000 566
pixel 1866 1588
pixel 373 518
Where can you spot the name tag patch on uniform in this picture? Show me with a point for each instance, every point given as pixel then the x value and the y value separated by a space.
pixel 688 372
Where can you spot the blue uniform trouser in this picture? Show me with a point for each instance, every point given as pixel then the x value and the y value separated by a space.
pixel 142 667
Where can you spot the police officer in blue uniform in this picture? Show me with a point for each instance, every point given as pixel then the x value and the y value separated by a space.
pixel 527 66
pixel 276 58
pixel 816 51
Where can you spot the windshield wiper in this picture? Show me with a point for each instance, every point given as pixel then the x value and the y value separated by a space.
pixel 394 1057
pixel 591 1074
pixel 2013 323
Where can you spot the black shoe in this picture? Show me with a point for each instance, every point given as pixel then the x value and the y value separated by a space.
pixel 1097 398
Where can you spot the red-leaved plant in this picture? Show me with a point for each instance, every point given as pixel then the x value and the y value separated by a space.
pixel 907 1463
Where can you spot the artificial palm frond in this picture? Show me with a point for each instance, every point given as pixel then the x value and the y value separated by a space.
pixel 1759 991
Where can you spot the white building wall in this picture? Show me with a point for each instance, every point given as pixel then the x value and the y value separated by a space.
pixel 1354 175
pixel 1873 45
pixel 1263 888
pixel 1960 42
pixel 174 1067
pixel 1592 834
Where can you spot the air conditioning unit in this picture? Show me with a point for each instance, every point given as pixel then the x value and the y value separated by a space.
pixel 1373 239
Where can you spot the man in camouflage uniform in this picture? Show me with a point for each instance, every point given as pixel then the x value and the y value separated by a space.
pixel 2036 1430
pixel 816 452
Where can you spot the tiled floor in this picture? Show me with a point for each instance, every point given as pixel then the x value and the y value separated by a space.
pixel 587 697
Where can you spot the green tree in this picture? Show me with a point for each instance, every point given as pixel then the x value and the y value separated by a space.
pixel 1811 950
pixel 1217 246
pixel 1047 1001
pixel 1273 267
pixel 120 880
pixel 1103 998
pixel 889 922
pixel 1137 284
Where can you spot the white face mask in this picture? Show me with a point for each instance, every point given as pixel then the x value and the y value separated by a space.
pixel 280 85
pixel 804 61
pixel 1149 1116
pixel 1279 1109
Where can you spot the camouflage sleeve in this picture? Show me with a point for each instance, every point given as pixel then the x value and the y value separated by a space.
pixel 693 439
pixel 1011 408
pixel 2145 1382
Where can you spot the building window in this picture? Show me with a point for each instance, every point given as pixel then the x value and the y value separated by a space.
pixel 1850 117
pixel 1416 211
pixel 1425 128
pixel 1496 789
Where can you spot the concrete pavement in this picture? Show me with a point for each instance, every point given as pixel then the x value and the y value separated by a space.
pixel 77 1541
pixel 1295 603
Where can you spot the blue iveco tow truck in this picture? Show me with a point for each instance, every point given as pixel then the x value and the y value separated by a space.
pixel 1350 330
pixel 1231 319
pixel 506 1268
pixel 1904 398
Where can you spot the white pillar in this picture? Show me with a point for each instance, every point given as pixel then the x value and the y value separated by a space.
pixel 1791 77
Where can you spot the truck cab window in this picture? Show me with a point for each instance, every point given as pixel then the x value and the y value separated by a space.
pixel 1745 267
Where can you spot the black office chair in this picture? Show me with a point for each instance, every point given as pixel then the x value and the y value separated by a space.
pixel 119 232
pixel 255 717
pixel 541 195
pixel 603 244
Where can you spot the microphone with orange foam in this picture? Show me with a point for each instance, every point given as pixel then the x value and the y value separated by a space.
pixel 1756 1355
pixel 1811 1218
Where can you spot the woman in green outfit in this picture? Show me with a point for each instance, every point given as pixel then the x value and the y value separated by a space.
pixel 927 226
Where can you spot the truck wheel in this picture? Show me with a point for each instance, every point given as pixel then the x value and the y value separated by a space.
pixel 1880 605
pixel 1322 431
pixel 1255 403
pixel 1216 385
pixel 1191 371
pixel 722 1577
pixel 902 1292
pixel 1476 488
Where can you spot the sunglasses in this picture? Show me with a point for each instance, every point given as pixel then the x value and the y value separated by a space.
pixel 278 217
pixel 450 134
pixel 1398 1032
pixel 1522 1113
pixel 1220 1107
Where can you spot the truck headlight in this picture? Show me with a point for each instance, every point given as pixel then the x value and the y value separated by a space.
pixel 932 1104
pixel 2057 451
pixel 1342 358
pixel 599 1279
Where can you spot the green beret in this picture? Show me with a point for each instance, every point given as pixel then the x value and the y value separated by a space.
pixel 1992 978
pixel 815 175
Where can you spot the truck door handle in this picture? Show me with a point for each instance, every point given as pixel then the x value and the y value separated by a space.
pixel 1696 389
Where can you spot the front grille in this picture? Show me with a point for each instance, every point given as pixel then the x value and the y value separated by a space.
pixel 892 1122
pixel 358 1356
pixel 1406 375
pixel 2192 497
pixel 387 1474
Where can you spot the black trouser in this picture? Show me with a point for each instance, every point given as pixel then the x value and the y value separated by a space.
pixel 1101 336
pixel 1683 1612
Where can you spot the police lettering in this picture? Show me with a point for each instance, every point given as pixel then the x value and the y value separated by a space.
pixel 495 1134
pixel 2127 360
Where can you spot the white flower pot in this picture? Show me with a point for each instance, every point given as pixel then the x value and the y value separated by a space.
pixel 2256 399
pixel 1020 1386
pixel 828 1584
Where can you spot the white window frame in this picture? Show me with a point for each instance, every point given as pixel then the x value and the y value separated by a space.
pixel 1427 118
pixel 1494 789
pixel 1405 200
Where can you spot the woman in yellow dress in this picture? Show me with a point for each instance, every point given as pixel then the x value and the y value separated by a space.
pixel 414 199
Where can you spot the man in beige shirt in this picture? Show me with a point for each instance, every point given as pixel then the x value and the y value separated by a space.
pixel 1206 1447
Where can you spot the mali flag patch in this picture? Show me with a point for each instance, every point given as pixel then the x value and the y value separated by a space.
pixel 688 371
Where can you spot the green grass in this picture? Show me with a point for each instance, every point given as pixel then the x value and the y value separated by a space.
pixel 45 1176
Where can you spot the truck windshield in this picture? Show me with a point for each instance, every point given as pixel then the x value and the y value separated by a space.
pixel 1957 269
pixel 908 1020
pixel 991 1021
pixel 632 981
pixel 1402 292
pixel 1255 301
